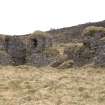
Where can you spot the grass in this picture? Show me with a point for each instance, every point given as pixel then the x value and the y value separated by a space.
pixel 62 46
pixel 91 30
pixel 50 52
pixel 40 34
pixel 27 85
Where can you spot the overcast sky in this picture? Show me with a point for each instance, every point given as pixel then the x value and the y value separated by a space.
pixel 26 16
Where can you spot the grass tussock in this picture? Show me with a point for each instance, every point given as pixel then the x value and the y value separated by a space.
pixel 51 52
pixel 91 30
pixel 27 85
pixel 40 34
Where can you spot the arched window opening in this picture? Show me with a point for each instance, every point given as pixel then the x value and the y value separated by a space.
pixel 6 43
pixel 34 42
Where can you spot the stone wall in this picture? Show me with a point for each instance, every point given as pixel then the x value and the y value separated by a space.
pixel 24 49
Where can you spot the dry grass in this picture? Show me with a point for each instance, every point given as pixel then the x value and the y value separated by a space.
pixel 61 47
pixel 91 30
pixel 26 85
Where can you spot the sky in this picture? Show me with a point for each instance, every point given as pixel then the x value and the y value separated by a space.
pixel 19 17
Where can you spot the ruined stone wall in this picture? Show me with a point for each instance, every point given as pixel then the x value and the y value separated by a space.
pixel 25 49
pixel 37 49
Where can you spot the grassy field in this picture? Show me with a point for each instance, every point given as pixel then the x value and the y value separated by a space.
pixel 26 85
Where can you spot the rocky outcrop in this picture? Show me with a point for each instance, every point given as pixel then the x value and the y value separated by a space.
pixel 92 51
pixel 72 34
